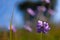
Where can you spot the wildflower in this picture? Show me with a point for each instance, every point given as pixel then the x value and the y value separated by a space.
pixel 41 8
pixel 12 28
pixel 27 27
pixel 47 1
pixel 50 11
pixel 44 28
pixel 30 11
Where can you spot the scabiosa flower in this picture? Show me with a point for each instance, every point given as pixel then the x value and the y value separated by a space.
pixel 30 11
pixel 12 28
pixel 44 27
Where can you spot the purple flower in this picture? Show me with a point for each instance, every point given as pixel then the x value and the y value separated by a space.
pixel 41 8
pixel 44 28
pixel 47 1
pixel 30 11
pixel 50 11
pixel 40 23
pixel 27 27
pixel 13 28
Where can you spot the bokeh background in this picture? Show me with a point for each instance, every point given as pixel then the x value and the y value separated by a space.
pixel 6 9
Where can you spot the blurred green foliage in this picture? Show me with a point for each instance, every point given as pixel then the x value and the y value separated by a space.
pixel 22 34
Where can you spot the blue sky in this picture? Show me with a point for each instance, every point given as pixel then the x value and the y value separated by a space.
pixel 6 8
pixel 56 17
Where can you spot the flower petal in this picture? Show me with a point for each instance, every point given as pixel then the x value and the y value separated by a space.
pixel 47 1
pixel 41 8
pixel 40 23
pixel 28 28
pixel 30 11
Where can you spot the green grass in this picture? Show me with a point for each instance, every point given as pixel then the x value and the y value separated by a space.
pixel 53 34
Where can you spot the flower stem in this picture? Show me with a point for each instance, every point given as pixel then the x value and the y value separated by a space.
pixel 11 26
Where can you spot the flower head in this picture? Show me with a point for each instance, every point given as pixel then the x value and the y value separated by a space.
pixel 30 11
pixel 47 1
pixel 44 28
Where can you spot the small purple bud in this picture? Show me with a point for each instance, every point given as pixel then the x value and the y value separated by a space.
pixel 28 28
pixel 41 8
pixel 13 28
pixel 30 11
pixel 50 11
pixel 40 23
pixel 45 24
pixel 46 27
pixel 47 1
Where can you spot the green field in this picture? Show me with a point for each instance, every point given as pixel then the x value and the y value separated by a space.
pixel 22 34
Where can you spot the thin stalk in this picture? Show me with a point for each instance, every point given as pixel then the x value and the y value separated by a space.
pixel 11 24
pixel 41 36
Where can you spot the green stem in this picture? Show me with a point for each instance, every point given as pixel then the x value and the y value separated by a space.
pixel 41 36
pixel 11 24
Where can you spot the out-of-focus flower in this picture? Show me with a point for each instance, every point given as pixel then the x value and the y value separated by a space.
pixel 50 11
pixel 47 1
pixel 40 23
pixel 12 28
pixel 44 28
pixel 27 27
pixel 30 11
pixel 41 8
